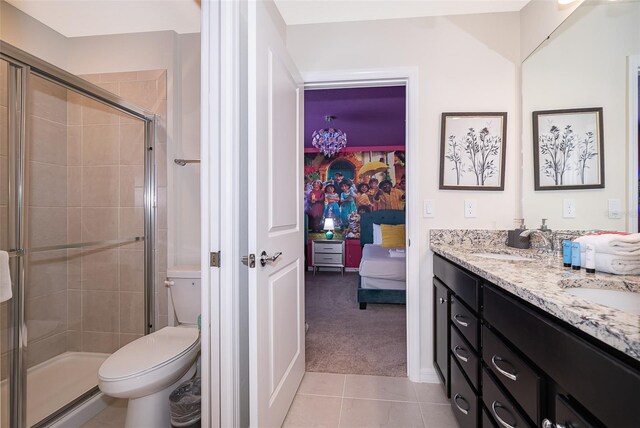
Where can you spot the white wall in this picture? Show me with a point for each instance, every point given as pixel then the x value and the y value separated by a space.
pixel 185 181
pixel 465 63
pixel 24 32
pixel 538 19
pixel 584 64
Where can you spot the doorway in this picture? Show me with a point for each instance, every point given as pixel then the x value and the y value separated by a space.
pixel 379 336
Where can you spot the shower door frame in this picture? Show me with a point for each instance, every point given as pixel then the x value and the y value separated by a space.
pixel 20 67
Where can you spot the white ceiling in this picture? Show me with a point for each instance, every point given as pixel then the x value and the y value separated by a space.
pixel 319 11
pixel 77 18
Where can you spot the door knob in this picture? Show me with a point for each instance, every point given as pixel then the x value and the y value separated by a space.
pixel 264 258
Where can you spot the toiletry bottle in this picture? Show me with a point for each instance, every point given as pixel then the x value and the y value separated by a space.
pixel 590 258
pixel 566 253
pixel 575 255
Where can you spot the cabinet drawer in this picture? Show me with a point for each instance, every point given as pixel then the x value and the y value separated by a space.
pixel 327 248
pixel 466 286
pixel 464 402
pixel 487 419
pixel 502 409
pixel 514 374
pixel 465 321
pixel 335 259
pixel 467 358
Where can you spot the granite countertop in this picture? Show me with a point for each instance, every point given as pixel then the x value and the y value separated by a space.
pixel 541 281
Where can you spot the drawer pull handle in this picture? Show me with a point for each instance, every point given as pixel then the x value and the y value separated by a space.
pixel 462 323
pixel 455 401
pixel 512 376
pixel 548 424
pixel 498 418
pixel 460 357
pixel 442 300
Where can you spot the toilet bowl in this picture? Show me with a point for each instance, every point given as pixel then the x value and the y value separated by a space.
pixel 148 369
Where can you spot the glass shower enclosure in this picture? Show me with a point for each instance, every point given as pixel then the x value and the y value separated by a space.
pixel 77 221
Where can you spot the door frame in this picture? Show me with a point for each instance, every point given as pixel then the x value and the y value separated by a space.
pixel 632 190
pixel 408 77
pixel 211 211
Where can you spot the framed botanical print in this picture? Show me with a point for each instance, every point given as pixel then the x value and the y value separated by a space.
pixel 472 151
pixel 568 149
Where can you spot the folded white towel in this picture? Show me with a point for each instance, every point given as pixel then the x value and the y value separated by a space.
pixel 612 243
pixel 5 277
pixel 618 265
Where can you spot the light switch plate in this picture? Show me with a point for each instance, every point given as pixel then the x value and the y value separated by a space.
pixel 615 208
pixel 569 208
pixel 470 208
pixel 427 209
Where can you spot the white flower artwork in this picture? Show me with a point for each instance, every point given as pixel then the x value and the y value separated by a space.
pixel 472 151
pixel 568 149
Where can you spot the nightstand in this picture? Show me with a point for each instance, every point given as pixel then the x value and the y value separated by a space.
pixel 327 253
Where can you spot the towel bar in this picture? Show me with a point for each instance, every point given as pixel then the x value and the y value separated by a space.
pixel 21 252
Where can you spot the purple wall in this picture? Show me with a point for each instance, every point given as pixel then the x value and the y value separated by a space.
pixel 369 116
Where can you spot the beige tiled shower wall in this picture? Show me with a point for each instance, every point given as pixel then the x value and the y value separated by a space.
pixel 86 183
pixel 47 210
pixel 102 330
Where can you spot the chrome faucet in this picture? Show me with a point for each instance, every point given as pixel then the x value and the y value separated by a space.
pixel 545 235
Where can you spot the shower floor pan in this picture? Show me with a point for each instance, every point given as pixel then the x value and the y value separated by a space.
pixel 58 381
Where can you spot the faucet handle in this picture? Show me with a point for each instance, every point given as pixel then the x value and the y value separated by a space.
pixel 544 226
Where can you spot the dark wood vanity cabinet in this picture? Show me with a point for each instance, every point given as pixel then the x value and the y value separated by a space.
pixel 513 365
pixel 463 339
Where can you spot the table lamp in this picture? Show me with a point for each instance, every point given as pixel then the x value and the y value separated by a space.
pixel 329 226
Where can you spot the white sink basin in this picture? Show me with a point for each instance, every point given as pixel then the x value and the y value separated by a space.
pixel 496 256
pixel 626 301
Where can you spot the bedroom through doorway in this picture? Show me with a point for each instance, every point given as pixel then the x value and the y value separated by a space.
pixel 355 215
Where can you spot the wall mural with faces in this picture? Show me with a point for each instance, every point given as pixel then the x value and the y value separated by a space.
pixel 345 186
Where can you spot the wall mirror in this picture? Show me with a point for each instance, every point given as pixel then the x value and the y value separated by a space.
pixel 591 60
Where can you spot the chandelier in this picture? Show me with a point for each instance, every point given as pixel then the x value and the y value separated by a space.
pixel 329 140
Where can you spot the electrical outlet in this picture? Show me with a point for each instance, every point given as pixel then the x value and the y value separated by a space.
pixel 470 208
pixel 428 211
pixel 569 208
pixel 615 209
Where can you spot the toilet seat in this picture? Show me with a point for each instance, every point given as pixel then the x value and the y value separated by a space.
pixel 149 362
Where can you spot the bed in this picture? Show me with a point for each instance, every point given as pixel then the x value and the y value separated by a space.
pixel 381 278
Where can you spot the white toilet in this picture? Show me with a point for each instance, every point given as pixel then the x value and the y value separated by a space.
pixel 148 369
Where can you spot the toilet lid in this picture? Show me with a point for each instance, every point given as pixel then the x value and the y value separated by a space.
pixel 148 352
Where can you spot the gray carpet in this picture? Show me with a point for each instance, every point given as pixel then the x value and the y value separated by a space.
pixel 345 339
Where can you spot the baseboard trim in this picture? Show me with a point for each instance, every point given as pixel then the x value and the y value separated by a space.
pixel 429 376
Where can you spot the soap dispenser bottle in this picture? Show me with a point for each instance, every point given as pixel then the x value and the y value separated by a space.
pixel 514 239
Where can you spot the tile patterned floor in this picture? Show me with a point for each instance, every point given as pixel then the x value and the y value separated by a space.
pixel 347 401
pixel 337 400
pixel 111 417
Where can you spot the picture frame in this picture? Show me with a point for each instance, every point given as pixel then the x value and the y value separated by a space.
pixel 473 151
pixel 568 149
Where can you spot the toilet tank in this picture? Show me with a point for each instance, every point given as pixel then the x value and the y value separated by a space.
pixel 184 292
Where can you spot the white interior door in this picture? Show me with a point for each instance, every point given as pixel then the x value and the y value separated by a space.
pixel 276 289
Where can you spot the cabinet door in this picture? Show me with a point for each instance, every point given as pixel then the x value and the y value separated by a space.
pixel 441 338
pixel 568 416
